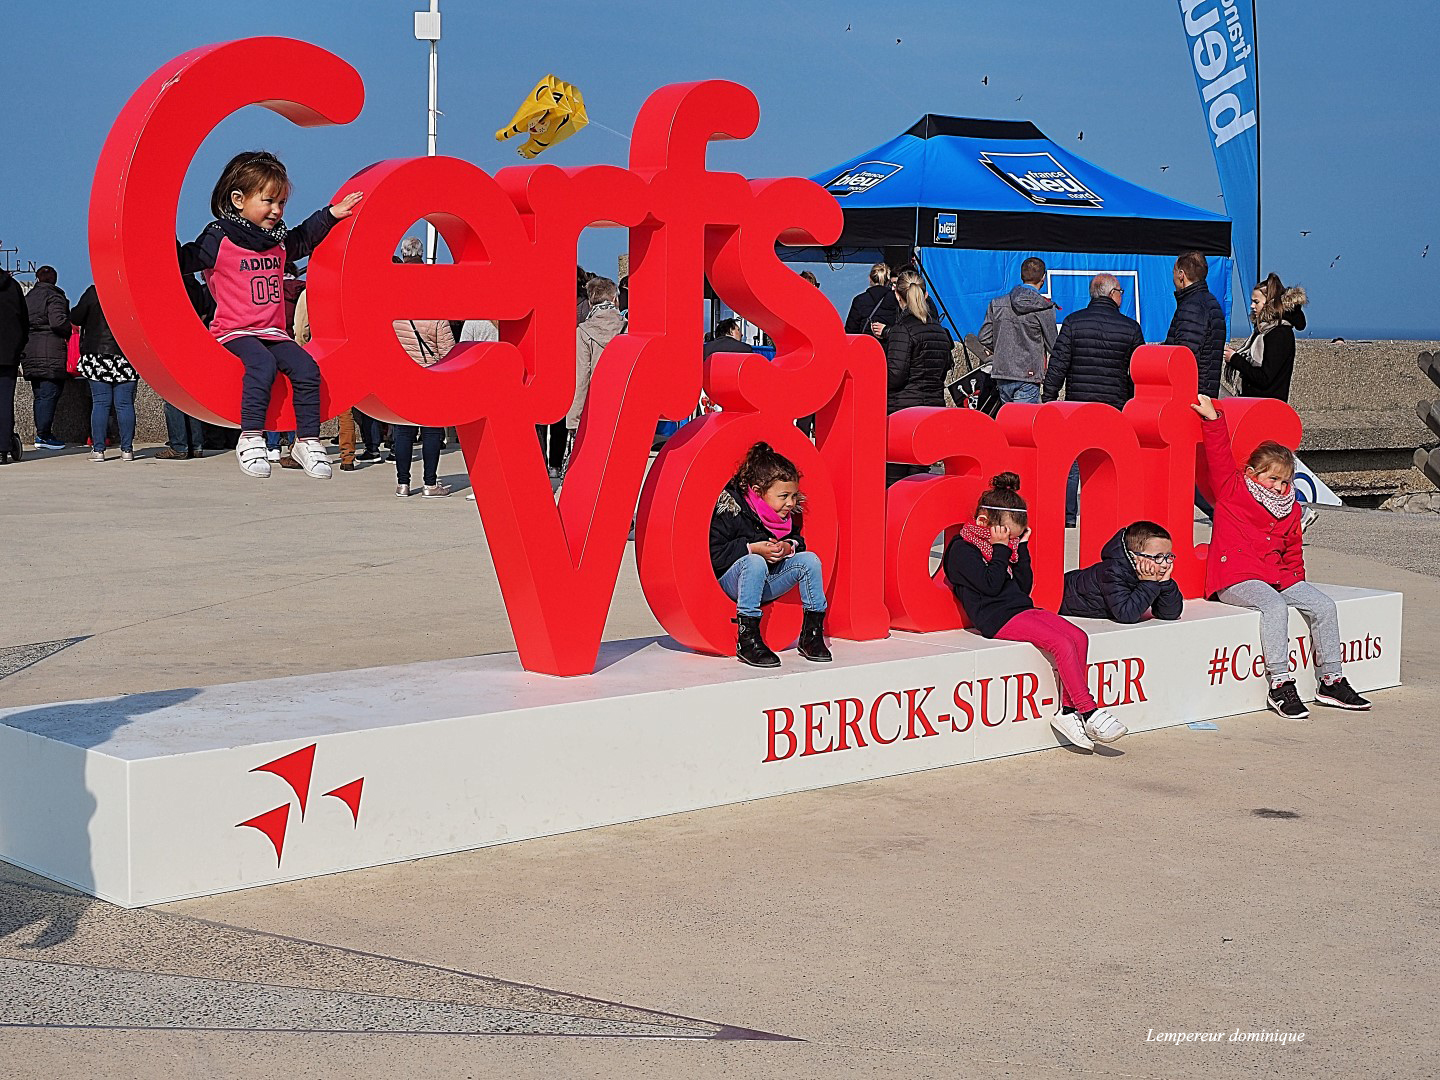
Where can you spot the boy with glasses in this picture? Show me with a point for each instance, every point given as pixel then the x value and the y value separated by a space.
pixel 1131 580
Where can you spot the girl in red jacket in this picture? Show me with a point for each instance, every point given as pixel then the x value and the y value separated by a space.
pixel 1255 562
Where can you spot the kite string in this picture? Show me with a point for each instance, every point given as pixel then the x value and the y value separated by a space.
pixel 607 127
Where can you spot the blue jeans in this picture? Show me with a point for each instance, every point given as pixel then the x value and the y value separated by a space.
pixel 47 394
pixel 1072 497
pixel 275 440
pixel 403 440
pixel 751 581
pixel 104 395
pixel 370 431
pixel 263 358
pixel 183 433
pixel 1026 393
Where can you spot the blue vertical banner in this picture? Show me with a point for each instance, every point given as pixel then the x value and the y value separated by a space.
pixel 1220 35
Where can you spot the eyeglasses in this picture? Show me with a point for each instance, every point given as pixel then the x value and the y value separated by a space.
pixel 1115 290
pixel 1164 559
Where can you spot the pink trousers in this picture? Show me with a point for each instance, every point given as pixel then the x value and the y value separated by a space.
pixel 1066 645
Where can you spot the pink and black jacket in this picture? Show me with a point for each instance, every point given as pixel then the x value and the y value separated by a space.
pixel 244 268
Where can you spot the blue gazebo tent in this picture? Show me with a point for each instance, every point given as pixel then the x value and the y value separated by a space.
pixel 978 197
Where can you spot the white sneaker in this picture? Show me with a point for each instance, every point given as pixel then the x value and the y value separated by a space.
pixel 1103 727
pixel 1067 726
pixel 250 452
pixel 97 455
pixel 470 497
pixel 272 455
pixel 402 491
pixel 311 455
pixel 127 455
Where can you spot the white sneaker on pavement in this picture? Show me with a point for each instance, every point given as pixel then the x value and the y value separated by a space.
pixel 1067 726
pixel 1103 727
pixel 250 452
pixel 311 455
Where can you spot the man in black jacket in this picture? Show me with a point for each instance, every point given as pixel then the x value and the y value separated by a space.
pixel 14 332
pixel 1199 322
pixel 1091 360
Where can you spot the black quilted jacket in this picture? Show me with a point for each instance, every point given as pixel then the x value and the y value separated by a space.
pixel 919 357
pixel 1091 358
pixel 1199 325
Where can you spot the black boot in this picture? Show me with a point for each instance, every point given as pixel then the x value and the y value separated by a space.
pixel 750 647
pixel 812 638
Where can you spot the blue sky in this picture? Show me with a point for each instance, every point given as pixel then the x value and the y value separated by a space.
pixel 1350 131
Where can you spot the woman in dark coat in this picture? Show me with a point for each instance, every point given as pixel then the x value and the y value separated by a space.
pixel 112 379
pixel 875 307
pixel 14 332
pixel 44 361
pixel 1263 365
pixel 918 354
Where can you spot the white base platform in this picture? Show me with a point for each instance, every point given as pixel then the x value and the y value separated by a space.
pixel 162 796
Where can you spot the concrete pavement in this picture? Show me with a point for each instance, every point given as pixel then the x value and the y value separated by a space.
pixel 1031 917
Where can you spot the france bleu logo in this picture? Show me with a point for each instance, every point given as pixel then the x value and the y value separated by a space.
pixel 861 178
pixel 1041 179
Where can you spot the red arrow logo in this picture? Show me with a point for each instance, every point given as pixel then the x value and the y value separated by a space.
pixel 272 823
pixel 349 794
pixel 295 769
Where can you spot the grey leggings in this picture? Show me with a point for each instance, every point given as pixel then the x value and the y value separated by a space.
pixel 1274 607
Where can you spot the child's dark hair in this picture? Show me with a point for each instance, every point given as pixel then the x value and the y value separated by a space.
pixel 763 466
pixel 1269 454
pixel 1003 497
pixel 247 173
pixel 1138 532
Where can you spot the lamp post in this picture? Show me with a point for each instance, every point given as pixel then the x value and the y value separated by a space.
pixel 427 28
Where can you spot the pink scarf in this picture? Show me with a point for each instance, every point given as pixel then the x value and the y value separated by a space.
pixel 779 527
pixel 974 534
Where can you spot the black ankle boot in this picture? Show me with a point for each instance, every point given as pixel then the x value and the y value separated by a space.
pixel 812 638
pixel 750 647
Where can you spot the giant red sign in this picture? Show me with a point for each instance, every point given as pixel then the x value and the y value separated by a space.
pixel 513 238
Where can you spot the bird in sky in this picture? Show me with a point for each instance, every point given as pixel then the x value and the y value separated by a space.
pixel 897 41
pixel 1163 168
pixel 1081 136
pixel 985 80
pixel 1304 232
pixel 847 27
pixel 1021 96
pixel 1334 261
pixel 1425 252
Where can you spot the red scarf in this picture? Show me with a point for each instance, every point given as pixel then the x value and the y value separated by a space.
pixel 779 527
pixel 974 534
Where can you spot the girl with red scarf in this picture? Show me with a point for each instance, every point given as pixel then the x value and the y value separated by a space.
pixel 758 554
pixel 988 566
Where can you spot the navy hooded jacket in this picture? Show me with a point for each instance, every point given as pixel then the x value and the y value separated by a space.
pixel 1199 325
pixel 1112 590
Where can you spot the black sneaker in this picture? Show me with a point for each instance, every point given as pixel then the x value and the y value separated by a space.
pixel 1285 700
pixel 1339 695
